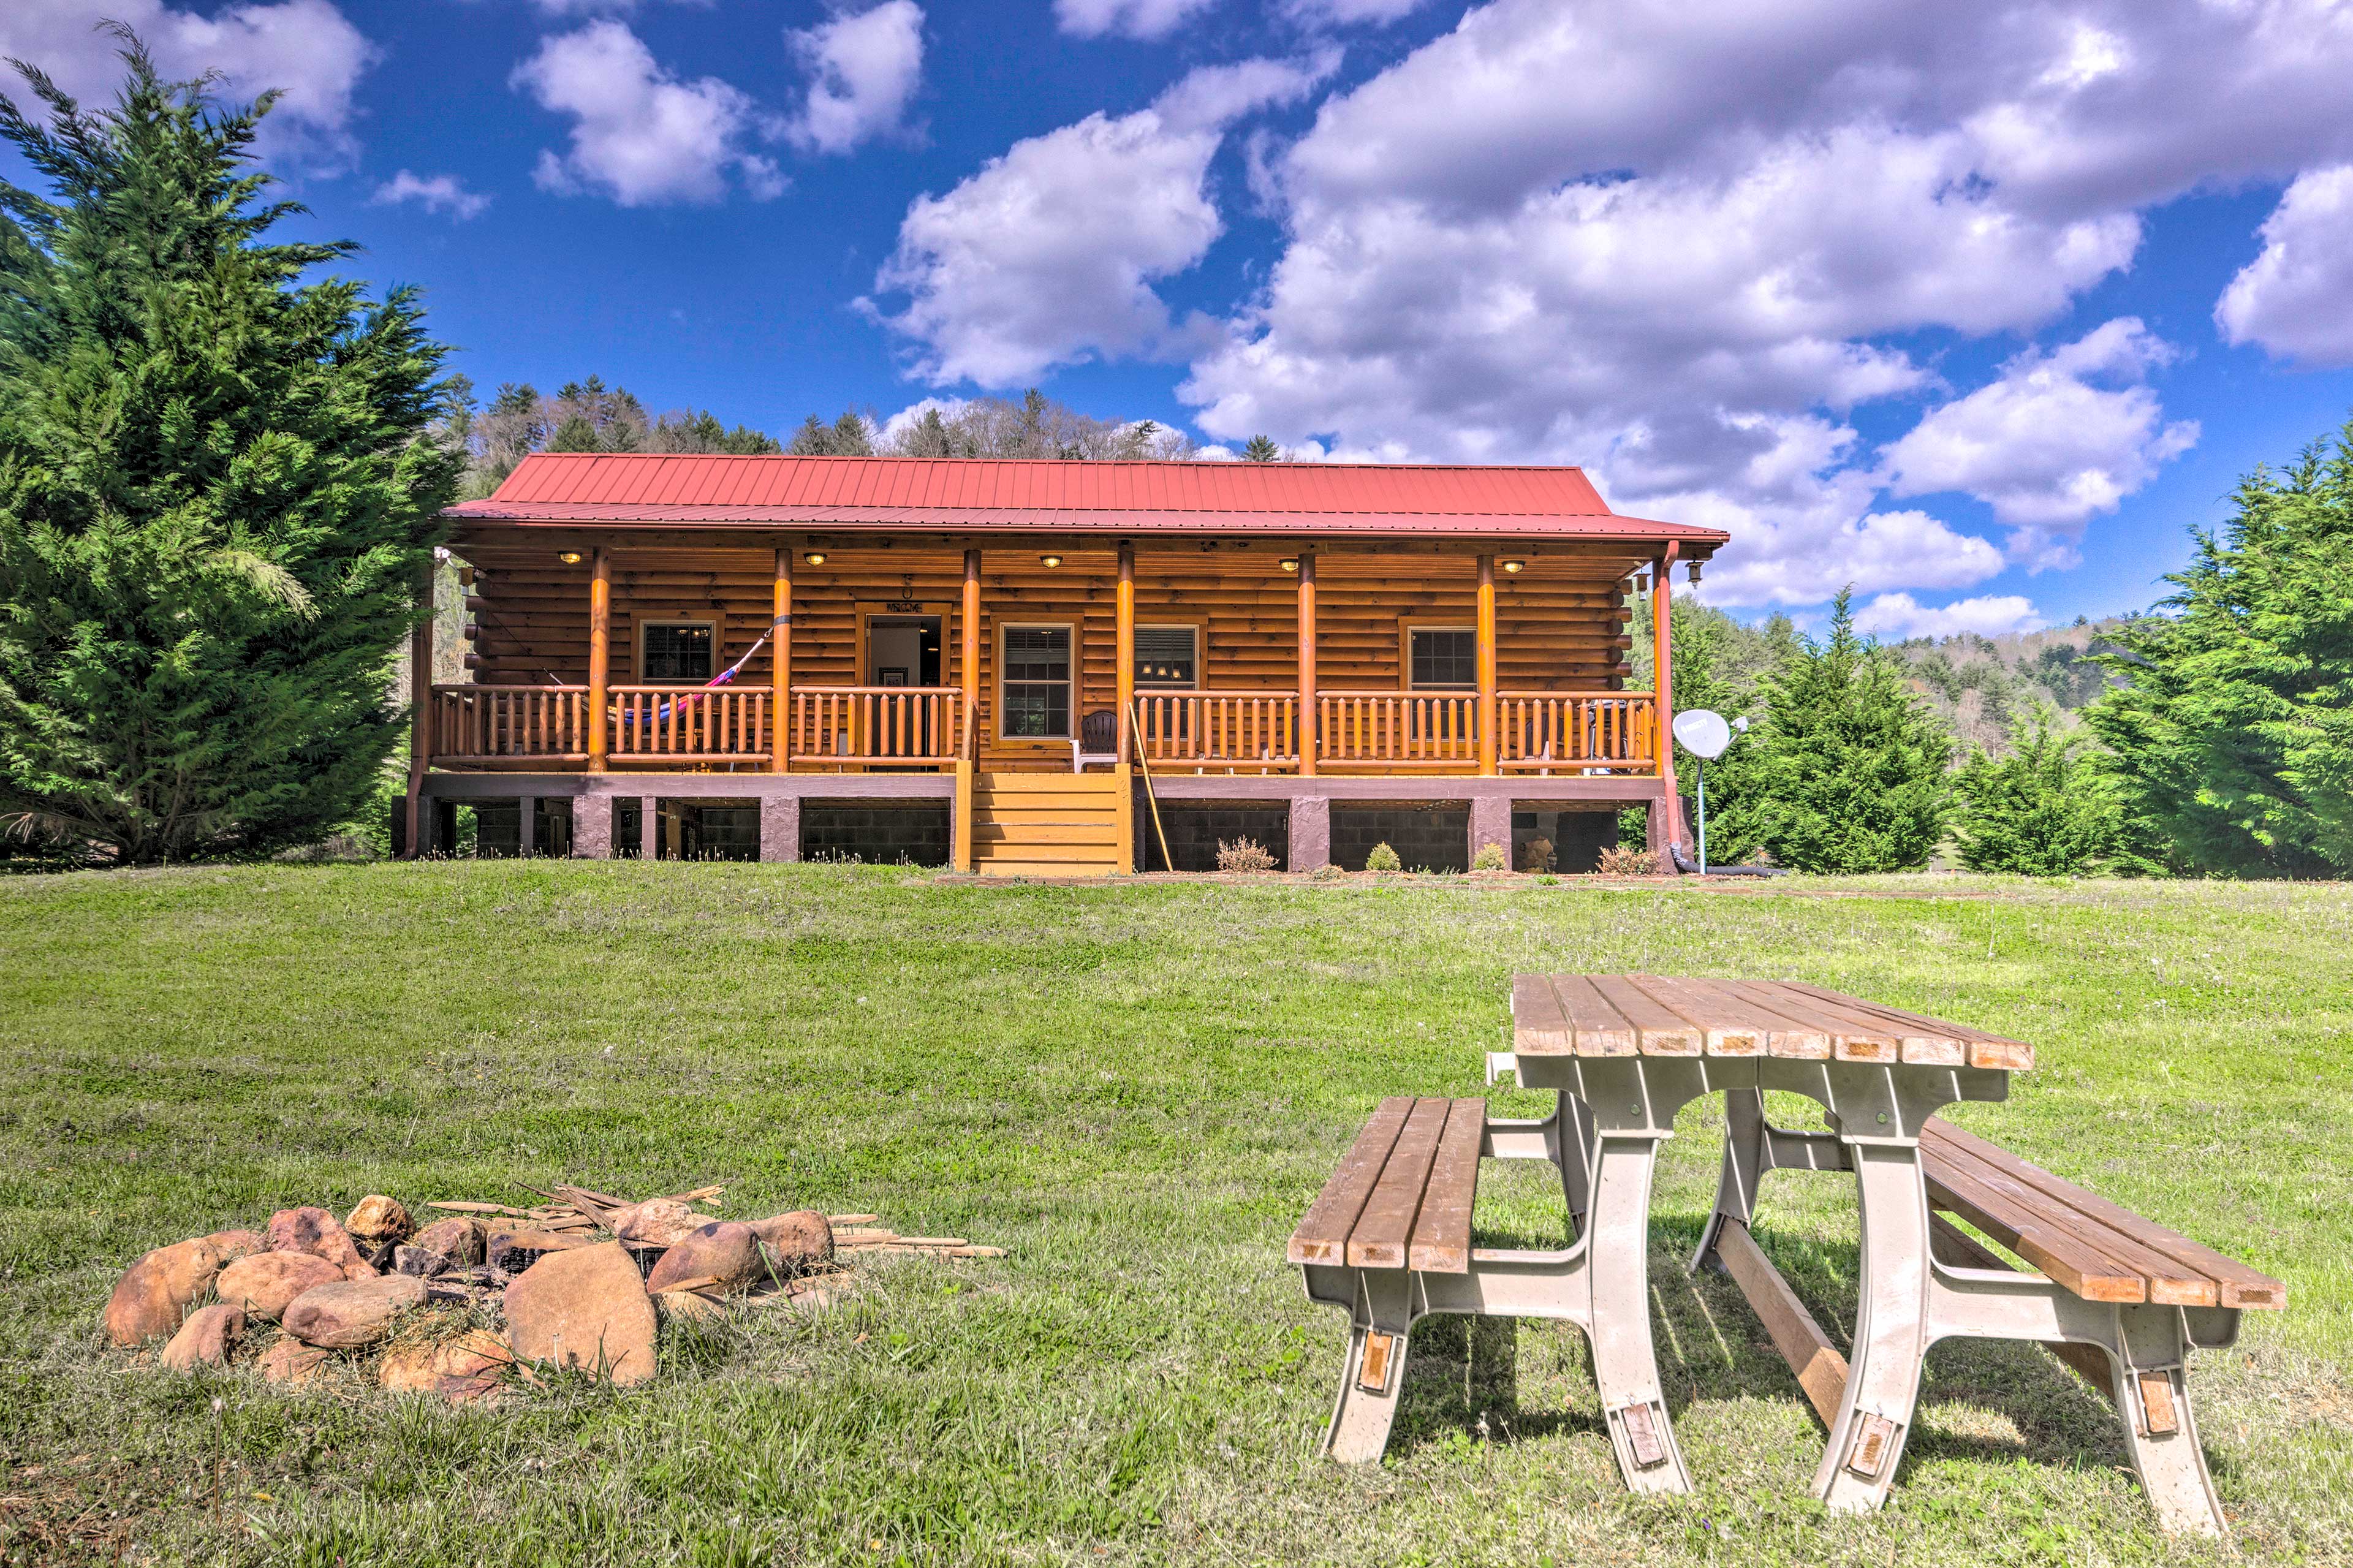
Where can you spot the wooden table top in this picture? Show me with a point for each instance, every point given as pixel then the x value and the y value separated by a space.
pixel 1654 1015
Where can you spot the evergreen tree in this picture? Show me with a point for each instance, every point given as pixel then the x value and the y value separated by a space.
pixel 2042 810
pixel 2232 726
pixel 1261 449
pixel 574 435
pixel 847 436
pixel 1850 772
pixel 218 488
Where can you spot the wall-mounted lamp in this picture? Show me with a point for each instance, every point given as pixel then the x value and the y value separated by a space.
pixel 815 557
pixel 1641 582
pixel 569 557
pixel 1513 566
pixel 1289 564
pixel 1049 561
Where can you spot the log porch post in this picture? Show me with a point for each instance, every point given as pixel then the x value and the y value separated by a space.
pixel 1488 749
pixel 600 653
pixel 780 678
pixel 420 712
pixel 968 670
pixel 1125 658
pixel 1663 701
pixel 1306 664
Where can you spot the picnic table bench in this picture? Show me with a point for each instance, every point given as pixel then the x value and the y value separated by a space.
pixel 2117 1296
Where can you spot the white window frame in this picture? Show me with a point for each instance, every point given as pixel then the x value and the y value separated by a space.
pixel 1413 629
pixel 1070 630
pixel 647 624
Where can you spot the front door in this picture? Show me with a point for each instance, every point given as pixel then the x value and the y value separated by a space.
pixel 901 652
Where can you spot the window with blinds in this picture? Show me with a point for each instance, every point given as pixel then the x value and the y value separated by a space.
pixel 1036 683
pixel 1167 658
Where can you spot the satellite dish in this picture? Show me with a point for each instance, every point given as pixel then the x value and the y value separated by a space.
pixel 1703 733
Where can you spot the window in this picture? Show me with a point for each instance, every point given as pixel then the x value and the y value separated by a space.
pixel 1167 658
pixel 676 650
pixel 1444 659
pixel 1034 683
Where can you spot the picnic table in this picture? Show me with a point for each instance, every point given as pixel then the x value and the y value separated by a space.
pixel 2117 1296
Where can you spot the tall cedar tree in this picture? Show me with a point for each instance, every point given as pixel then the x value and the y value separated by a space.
pixel 2042 810
pixel 1851 775
pixel 2233 731
pixel 217 493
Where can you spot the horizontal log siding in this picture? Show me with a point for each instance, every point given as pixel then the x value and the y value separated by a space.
pixel 1560 625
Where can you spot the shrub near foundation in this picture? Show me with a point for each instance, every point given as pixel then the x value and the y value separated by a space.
pixel 1381 857
pixel 1244 855
pixel 1491 858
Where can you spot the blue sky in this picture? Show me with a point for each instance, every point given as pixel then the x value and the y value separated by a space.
pixel 1976 306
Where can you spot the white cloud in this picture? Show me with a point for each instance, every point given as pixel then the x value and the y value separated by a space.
pixel 1345 13
pixel 907 418
pixel 640 134
pixel 2296 299
pixel 306 48
pixel 440 192
pixel 1899 615
pixel 864 67
pixel 1050 254
pixel 1679 240
pixel 1128 18
pixel 2048 445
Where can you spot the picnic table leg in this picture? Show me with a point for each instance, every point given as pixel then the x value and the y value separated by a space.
pixel 2152 1400
pixel 1374 1377
pixel 1577 1151
pixel 1745 1160
pixel 1891 1330
pixel 1625 1368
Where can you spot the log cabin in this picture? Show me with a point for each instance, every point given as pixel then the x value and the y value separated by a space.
pixel 1048 669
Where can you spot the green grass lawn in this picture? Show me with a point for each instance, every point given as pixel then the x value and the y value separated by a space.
pixel 1136 1089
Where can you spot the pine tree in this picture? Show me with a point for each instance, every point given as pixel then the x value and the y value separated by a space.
pixel 218 487
pixel 2042 810
pixel 1261 449
pixel 574 435
pixel 1851 775
pixel 2232 726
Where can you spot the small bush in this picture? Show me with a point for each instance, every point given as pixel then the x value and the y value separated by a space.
pixel 1243 855
pixel 1327 872
pixel 1383 858
pixel 1491 858
pixel 1625 861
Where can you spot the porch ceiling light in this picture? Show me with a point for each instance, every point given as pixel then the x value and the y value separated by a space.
pixel 1289 564
pixel 1049 560
pixel 1695 571
pixel 815 557
pixel 1513 566
pixel 569 557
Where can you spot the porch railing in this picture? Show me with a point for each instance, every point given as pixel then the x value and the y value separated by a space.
pixel 875 726
pixel 688 724
pixel 1250 730
pixel 483 723
pixel 1401 730
pixel 1575 732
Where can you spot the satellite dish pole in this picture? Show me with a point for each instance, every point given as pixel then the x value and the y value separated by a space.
pixel 1704 733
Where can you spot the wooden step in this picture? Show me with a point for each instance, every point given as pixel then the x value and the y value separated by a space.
pixel 1050 824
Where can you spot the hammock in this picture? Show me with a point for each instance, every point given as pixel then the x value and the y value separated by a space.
pixel 661 711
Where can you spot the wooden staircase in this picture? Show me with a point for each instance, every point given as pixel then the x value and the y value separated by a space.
pixel 1052 825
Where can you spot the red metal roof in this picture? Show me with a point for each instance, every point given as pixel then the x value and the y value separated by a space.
pixel 990 494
